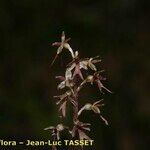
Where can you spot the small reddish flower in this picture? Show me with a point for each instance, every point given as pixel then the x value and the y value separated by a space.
pixel 61 45
pixel 63 99
pixel 77 64
pixel 80 128
pixel 89 62
pixel 56 130
pixel 66 81
pixel 95 78
pixel 95 108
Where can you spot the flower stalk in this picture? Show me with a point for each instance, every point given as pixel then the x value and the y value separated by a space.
pixel 73 81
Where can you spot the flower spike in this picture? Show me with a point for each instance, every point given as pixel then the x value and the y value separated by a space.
pixel 78 72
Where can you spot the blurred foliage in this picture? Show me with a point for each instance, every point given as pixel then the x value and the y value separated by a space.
pixel 116 30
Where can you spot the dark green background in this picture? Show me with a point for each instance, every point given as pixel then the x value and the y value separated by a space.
pixel 117 30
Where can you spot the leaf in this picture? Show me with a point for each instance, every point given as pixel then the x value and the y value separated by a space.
pixel 63 108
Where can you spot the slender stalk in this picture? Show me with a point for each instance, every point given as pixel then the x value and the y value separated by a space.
pixel 75 107
pixel 74 80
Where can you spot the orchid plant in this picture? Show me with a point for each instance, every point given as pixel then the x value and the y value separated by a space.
pixel 73 81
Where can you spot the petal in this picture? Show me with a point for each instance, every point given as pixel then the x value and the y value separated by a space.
pixel 73 132
pixel 60 127
pixel 106 122
pixel 100 85
pixel 50 128
pixel 58 135
pixel 61 97
pixel 59 50
pixel 63 37
pixel 86 124
pixel 73 102
pixel 76 54
pixel 68 39
pixel 86 128
pixel 61 85
pixel 90 79
pixel 71 67
pixel 83 65
pixel 96 61
pixel 92 66
pixel 68 74
pixel 87 106
pixel 107 89
pixel 97 102
pixel 63 109
pixel 61 78
pixel 83 136
pixel 56 44
pixel 67 46
pixel 96 109
pixel 78 72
